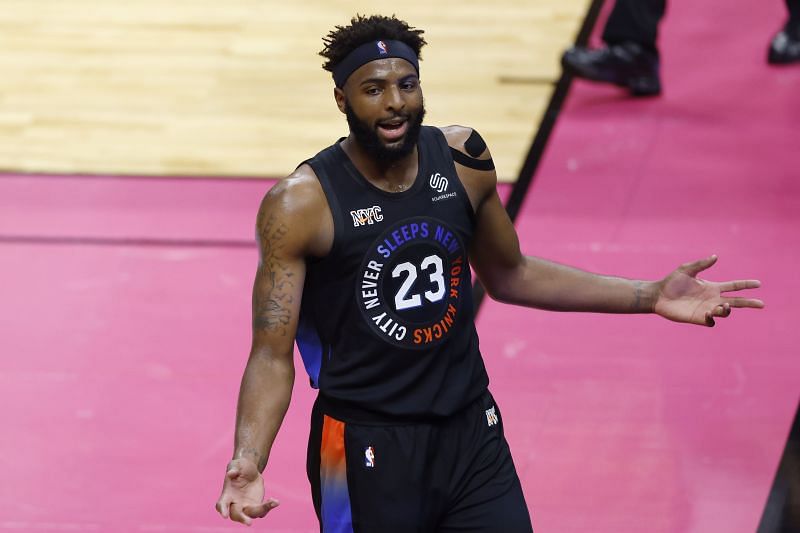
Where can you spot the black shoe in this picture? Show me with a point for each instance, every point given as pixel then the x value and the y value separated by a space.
pixel 627 65
pixel 783 49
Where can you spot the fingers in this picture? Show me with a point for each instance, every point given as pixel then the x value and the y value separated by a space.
pixel 739 284
pixel 721 311
pixel 223 507
pixel 724 309
pixel 245 513
pixel 237 515
pixel 752 303
pixel 260 511
pixel 698 266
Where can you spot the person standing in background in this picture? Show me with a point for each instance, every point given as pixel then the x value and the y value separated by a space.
pixel 631 57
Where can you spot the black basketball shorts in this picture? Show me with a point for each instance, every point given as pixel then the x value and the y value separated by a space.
pixel 452 475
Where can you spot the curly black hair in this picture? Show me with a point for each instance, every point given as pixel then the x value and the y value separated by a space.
pixel 362 29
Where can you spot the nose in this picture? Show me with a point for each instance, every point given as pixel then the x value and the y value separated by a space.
pixel 394 100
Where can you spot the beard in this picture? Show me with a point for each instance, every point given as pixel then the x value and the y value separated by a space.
pixel 368 138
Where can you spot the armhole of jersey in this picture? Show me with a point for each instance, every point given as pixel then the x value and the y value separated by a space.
pixel 444 148
pixel 333 205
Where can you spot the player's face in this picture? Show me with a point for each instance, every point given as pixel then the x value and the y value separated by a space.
pixel 384 107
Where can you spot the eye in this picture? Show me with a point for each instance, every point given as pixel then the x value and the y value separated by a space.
pixel 372 91
pixel 409 85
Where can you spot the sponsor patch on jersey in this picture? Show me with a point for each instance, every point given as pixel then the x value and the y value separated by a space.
pixel 411 282
pixel 438 182
pixel 444 196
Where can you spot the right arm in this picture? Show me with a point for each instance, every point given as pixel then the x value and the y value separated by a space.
pixel 292 224
pixel 266 386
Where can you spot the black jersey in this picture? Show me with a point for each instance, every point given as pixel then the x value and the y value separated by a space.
pixel 387 320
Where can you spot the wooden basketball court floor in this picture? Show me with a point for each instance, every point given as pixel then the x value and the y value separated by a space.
pixel 236 88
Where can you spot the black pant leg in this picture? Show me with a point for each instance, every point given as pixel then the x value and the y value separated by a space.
pixel 636 21
pixel 485 491
pixel 793 24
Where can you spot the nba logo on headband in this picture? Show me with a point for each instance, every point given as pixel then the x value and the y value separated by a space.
pixel 370 51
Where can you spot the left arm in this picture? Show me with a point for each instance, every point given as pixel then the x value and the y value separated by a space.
pixel 511 277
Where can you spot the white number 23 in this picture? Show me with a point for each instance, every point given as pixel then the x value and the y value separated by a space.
pixel 432 265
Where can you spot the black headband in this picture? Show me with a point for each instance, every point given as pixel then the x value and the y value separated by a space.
pixel 370 52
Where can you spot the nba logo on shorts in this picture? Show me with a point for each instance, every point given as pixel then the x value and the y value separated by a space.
pixel 369 457
pixel 382 48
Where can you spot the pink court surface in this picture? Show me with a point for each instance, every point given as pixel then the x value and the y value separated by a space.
pixel 125 320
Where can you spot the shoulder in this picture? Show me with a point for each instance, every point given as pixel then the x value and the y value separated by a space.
pixel 456 135
pixel 466 140
pixel 297 204
pixel 479 182
pixel 299 191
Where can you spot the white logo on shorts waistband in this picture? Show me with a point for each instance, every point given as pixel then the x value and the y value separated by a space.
pixel 491 417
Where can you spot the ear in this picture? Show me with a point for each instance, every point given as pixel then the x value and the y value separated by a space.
pixel 338 95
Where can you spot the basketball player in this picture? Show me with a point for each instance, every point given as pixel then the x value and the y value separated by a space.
pixel 365 262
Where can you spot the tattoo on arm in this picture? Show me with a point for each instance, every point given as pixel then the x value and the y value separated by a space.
pixel 637 296
pixel 645 295
pixel 256 456
pixel 272 294
pixel 247 450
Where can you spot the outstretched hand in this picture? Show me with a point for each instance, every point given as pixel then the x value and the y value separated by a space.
pixel 243 493
pixel 683 297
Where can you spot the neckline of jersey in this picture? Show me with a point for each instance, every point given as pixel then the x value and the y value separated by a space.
pixel 360 178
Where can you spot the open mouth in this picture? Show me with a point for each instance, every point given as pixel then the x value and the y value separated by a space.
pixel 393 130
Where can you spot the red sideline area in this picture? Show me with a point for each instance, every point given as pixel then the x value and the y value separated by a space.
pixel 121 360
